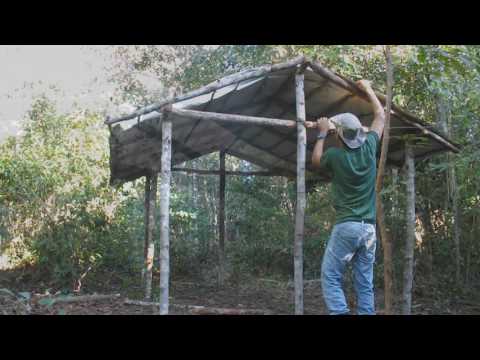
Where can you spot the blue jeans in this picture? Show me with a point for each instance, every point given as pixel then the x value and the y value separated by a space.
pixel 356 242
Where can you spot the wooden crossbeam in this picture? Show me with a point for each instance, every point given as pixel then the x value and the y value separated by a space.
pixel 230 173
pixel 232 118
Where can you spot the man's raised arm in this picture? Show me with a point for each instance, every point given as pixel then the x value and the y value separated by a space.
pixel 379 114
pixel 322 126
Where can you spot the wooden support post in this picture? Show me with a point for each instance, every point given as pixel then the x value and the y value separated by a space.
pixel 164 214
pixel 410 232
pixel 150 200
pixel 221 222
pixel 301 201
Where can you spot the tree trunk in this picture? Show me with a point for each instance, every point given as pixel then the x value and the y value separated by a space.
pixel 426 219
pixel 456 217
pixel 209 200
pixel 395 212
pixel 165 214
pixel 195 206
pixel 221 222
pixel 410 232
pixel 384 233
pixel 469 253
pixel 150 198
pixel 451 200
pixel 301 200
pixel 146 221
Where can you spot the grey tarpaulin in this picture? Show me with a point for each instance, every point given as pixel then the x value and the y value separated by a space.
pixel 135 145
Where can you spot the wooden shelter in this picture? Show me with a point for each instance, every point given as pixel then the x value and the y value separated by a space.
pixel 263 115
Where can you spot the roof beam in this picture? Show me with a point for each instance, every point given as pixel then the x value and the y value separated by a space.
pixel 218 84
pixel 352 87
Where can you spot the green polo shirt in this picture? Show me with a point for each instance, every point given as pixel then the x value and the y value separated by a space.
pixel 353 180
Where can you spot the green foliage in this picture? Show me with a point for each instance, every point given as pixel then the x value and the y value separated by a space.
pixel 54 183
pixel 59 212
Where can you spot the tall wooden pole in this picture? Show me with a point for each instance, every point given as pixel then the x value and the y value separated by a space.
pixel 385 235
pixel 164 214
pixel 301 201
pixel 150 200
pixel 221 222
pixel 410 232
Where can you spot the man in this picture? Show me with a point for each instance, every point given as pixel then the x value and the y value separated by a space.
pixel 353 168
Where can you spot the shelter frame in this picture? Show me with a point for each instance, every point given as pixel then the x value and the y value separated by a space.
pixel 166 109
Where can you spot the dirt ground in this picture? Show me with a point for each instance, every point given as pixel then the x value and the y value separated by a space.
pixel 263 294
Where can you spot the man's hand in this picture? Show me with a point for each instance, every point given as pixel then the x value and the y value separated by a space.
pixel 323 124
pixel 378 122
pixel 365 85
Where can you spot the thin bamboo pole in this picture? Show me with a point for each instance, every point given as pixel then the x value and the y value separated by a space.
pixel 301 200
pixel 164 214
pixel 216 85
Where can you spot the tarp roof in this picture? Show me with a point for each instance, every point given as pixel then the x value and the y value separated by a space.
pixel 135 145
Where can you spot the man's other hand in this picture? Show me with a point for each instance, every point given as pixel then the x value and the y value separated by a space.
pixel 323 124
